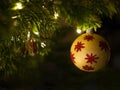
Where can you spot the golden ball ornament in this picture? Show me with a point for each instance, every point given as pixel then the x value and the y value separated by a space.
pixel 90 52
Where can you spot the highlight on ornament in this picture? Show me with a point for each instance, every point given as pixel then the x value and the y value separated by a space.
pixel 90 52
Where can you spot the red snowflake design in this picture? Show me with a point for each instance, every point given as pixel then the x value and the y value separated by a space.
pixel 72 57
pixel 91 58
pixel 88 37
pixel 103 45
pixel 86 67
pixel 79 46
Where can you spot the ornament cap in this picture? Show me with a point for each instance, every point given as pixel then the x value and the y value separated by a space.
pixel 89 30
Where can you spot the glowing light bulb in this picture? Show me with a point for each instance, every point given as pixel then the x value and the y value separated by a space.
pixel 36 33
pixel 28 0
pixel 18 6
pixel 43 6
pixel 12 38
pixel 79 31
pixel 14 17
pixel 35 30
pixel 28 35
pixel 43 44
pixel 56 15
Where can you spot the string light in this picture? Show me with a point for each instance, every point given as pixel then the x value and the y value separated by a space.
pixel 43 6
pixel 18 6
pixel 43 44
pixel 56 15
pixel 28 0
pixel 28 35
pixel 79 31
pixel 35 30
pixel 36 33
pixel 14 17
pixel 12 38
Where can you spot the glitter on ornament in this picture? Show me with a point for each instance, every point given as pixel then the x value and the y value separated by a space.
pixel 79 46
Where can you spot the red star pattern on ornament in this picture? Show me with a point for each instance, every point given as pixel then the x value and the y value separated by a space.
pixel 72 57
pixel 103 45
pixel 86 67
pixel 88 37
pixel 91 58
pixel 79 46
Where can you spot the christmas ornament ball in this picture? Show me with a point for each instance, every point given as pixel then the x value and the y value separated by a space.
pixel 90 52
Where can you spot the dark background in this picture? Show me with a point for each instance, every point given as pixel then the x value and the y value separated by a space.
pixel 57 72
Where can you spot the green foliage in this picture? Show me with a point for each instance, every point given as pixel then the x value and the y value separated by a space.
pixel 88 13
pixel 38 16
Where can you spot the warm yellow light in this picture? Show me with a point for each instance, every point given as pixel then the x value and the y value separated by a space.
pixel 28 35
pixel 14 17
pixel 43 44
pixel 36 33
pixel 35 30
pixel 12 38
pixel 28 0
pixel 56 15
pixel 79 31
pixel 43 6
pixel 18 6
